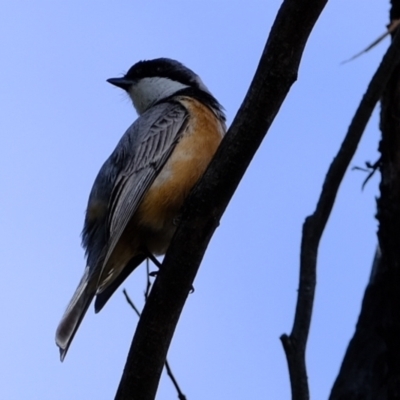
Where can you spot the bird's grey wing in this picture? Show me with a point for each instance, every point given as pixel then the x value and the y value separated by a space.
pixel 142 152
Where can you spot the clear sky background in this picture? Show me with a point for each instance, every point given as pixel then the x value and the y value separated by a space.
pixel 60 120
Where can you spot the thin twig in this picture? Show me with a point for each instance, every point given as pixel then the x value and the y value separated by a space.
pixel 181 396
pixel 370 169
pixel 314 225
pixel 390 29
pixel 148 282
pixel 130 302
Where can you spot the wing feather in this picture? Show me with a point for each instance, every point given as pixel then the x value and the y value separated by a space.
pixel 142 152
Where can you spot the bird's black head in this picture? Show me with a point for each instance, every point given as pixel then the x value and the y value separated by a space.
pixel 159 68
pixel 151 81
pixel 166 68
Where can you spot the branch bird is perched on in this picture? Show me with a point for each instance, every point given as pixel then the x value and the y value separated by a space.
pixel 139 192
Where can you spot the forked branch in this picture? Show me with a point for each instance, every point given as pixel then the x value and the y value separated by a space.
pixel 314 225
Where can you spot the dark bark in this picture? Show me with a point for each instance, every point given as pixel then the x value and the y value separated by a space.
pixel 364 369
pixel 275 74
pixel 389 230
pixel 371 367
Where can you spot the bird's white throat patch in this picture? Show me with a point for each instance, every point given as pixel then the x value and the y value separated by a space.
pixel 148 91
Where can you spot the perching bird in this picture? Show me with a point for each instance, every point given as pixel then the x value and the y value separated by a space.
pixel 138 194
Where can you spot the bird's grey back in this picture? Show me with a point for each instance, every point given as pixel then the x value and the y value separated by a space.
pixel 126 174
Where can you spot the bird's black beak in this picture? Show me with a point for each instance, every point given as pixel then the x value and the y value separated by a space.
pixel 122 83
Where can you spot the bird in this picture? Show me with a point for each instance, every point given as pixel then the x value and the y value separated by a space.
pixel 136 200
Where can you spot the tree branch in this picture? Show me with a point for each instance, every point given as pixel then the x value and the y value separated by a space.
pixel 314 225
pixel 171 375
pixel 275 74
pixel 371 368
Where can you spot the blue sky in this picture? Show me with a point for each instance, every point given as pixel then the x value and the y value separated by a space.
pixel 60 121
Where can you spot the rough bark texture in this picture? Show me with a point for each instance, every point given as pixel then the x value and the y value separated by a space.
pixel 371 367
pixel 389 231
pixel 364 370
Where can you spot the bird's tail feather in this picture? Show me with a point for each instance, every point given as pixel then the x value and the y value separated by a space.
pixel 74 314
pixel 103 296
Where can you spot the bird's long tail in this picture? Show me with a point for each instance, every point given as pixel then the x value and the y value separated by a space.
pixel 74 314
